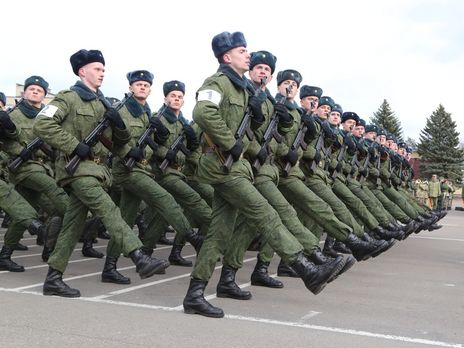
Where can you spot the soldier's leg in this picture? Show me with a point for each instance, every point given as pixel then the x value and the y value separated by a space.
pixel 206 191
pixel 191 202
pixel 300 196
pixel 391 207
pixel 355 204
pixel 396 197
pixel 374 206
pixel 340 210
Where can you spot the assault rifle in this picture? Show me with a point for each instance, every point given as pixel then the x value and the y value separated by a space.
pixel 33 146
pixel 340 157
pixel 177 145
pixel 17 103
pixel 319 147
pixel 297 143
pixel 363 171
pixel 243 128
pixel 95 135
pixel 271 130
pixel 144 140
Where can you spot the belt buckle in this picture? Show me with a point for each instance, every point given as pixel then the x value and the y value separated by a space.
pixel 97 160
pixel 144 162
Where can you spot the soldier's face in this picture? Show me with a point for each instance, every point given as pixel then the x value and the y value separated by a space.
pixel 175 100
pixel 282 88
pixel 34 94
pixel 239 59
pixel 358 131
pixel 349 125
pixel 323 111
pixel 370 135
pixel 141 89
pixel 309 103
pixel 92 75
pixel 334 118
pixel 259 72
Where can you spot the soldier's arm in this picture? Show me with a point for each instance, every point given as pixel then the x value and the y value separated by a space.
pixel 48 123
pixel 206 114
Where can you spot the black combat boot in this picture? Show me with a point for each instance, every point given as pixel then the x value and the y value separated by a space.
pixel 110 274
pixel 164 240
pixel 329 246
pixel 284 270
pixel 39 229
pixel 54 285
pixel 434 227
pixel 53 229
pixel 340 247
pixel 315 277
pixel 195 302
pixel 363 250
pixel 149 252
pixel 20 247
pixel 384 245
pixel 89 251
pixel 101 229
pixel 5 261
pixel 147 266
pixel 175 258
pixel 319 258
pixel 385 234
pixel 227 286
pixel 261 277
pixel 194 238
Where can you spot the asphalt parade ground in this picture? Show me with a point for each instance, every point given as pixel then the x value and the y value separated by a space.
pixel 411 296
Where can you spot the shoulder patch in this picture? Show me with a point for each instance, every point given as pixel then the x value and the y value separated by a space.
pixel 209 95
pixel 48 111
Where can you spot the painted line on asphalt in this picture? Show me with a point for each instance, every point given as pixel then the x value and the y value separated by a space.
pixel 141 286
pixel 440 238
pixel 269 321
pixel 30 255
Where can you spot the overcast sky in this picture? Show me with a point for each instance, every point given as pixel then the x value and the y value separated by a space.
pixel 410 53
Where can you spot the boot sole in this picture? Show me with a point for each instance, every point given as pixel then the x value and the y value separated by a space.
pixel 13 270
pixel 106 280
pixel 193 311
pixel 222 295
pixel 336 270
pixel 175 263
pixel 382 250
pixel 162 266
pixel 267 285
pixel 54 293
pixel 348 264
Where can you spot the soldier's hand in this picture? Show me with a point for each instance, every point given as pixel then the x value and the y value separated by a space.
pixel 171 156
pixel 136 153
pixel 291 157
pixel 339 167
pixel 26 154
pixel 115 118
pixel 159 126
pixel 262 155
pixel 282 113
pixel 236 150
pixel 364 172
pixel 6 121
pixel 255 104
pixel 189 132
pixel 82 150
pixel 349 142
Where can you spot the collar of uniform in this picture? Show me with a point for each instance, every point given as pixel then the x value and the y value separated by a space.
pixel 169 115
pixel 85 93
pixel 136 109
pixel 28 110
pixel 239 82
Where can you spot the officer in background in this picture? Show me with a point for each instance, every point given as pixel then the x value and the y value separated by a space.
pixel 64 124
pixel 434 192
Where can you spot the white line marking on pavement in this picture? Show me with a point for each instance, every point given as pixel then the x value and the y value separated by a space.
pixel 310 315
pixel 46 265
pixel 30 255
pixel 267 321
pixel 440 238
pixel 141 286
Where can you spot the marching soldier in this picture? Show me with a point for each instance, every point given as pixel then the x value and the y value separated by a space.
pixel 220 108
pixel 64 124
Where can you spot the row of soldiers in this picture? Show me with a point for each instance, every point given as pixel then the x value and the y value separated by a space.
pixel 251 169
pixel 436 193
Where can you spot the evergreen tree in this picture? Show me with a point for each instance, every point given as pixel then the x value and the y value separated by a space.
pixel 412 143
pixel 439 147
pixel 385 118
